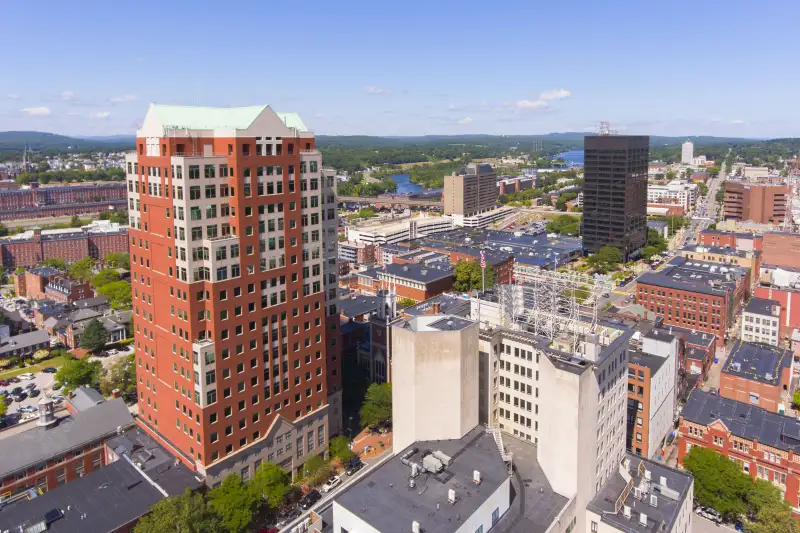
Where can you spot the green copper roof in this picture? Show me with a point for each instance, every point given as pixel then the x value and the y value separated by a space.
pixel 292 120
pixel 207 118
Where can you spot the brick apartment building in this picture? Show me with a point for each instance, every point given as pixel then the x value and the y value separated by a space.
pixel 32 283
pixel 63 290
pixel 412 280
pixel 789 300
pixel 233 268
pixel 757 374
pixel 781 249
pixel 762 443
pixel 728 239
pixel 725 256
pixel 95 240
pixel 61 200
pixel 698 350
pixel 695 295
pixel 761 203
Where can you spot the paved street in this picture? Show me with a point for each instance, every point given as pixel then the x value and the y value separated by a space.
pixel 702 525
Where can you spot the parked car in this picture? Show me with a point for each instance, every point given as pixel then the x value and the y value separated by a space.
pixel 57 398
pixel 268 530
pixel 14 380
pixel 49 370
pixel 8 400
pixel 34 393
pixel 333 481
pixel 112 352
pixel 287 516
pixel 355 465
pixel 16 390
pixel 709 514
pixel 26 376
pixel 20 397
pixel 27 409
pixel 310 499
pixel 3 383
pixel 57 385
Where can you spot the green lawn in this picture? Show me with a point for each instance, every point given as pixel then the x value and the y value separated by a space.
pixel 55 362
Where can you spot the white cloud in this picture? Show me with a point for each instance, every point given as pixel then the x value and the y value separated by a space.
pixel 377 90
pixel 12 96
pixel 465 121
pixel 532 104
pixel 122 99
pixel 101 114
pixel 555 94
pixel 67 95
pixel 738 121
pixel 37 111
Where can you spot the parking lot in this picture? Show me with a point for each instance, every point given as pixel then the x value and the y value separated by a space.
pixel 44 384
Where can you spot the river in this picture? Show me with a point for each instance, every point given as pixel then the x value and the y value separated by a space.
pixel 574 158
pixel 404 184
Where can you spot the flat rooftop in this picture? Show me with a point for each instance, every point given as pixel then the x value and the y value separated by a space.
pixel 640 358
pixel 448 304
pixel 668 486
pixel 743 420
pixel 758 362
pixel 386 502
pixel 763 306
pixel 358 305
pixel 430 323
pixel 696 276
pixel 411 271
pixel 700 249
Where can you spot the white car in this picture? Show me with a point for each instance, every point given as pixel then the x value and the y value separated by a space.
pixel 26 376
pixel 332 482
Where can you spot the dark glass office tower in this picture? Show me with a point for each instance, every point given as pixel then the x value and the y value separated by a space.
pixel 615 193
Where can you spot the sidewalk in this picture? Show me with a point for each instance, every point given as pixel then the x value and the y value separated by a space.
pixel 368 444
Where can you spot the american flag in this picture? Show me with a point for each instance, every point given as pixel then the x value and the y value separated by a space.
pixel 483 259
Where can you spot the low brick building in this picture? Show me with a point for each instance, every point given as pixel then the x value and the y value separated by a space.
pixel 725 256
pixel 700 296
pixel 763 444
pixel 416 281
pixel 63 290
pixel 64 450
pixel 96 240
pixel 757 374
pixel 32 283
pixel 781 249
pixel 761 203
pixel 731 239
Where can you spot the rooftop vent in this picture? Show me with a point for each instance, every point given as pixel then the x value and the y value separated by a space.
pixel 476 477
pixel 626 511
pixel 643 519
pixel 653 500
pixel 415 527
pixel 451 496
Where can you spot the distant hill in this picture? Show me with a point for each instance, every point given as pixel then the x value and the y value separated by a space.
pixel 15 141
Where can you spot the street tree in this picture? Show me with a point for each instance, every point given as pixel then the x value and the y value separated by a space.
pixel 339 447
pixel 79 373
pixel 605 259
pixel 186 513
pixel 121 376
pixel 94 336
pixel 104 277
pixel 316 470
pixel 234 503
pixel 82 269
pixel 468 276
pixel 718 482
pixel 118 260
pixel 377 406
pixel 271 483
pixel 118 294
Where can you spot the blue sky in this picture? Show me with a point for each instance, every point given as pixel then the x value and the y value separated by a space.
pixel 388 67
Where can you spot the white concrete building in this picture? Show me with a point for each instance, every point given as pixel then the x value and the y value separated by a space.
pixel 687 152
pixel 481 220
pixel 643 497
pixel 570 404
pixel 434 371
pixel 393 231
pixel 684 192
pixel 761 321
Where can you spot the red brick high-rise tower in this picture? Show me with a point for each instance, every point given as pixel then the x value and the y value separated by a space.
pixel 233 247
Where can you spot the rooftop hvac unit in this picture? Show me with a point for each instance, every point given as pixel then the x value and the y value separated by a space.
pixel 451 496
pixel 443 457
pixel 653 500
pixel 663 481
pixel 643 519
pixel 647 475
pixel 476 477
pixel 432 464
pixel 415 527
pixel 626 511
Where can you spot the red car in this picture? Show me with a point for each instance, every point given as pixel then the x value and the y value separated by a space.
pixel 3 383
pixel 268 530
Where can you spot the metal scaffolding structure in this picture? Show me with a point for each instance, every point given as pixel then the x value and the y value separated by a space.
pixel 556 305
